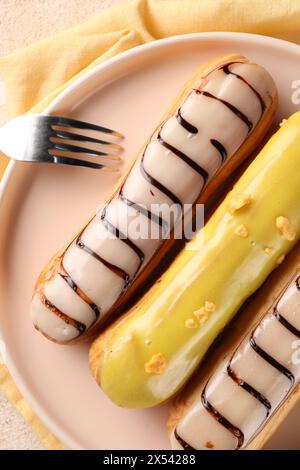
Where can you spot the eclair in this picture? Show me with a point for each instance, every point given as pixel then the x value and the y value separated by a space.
pixel 245 396
pixel 214 124
pixel 149 354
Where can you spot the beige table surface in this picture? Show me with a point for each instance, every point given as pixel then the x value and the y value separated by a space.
pixel 22 22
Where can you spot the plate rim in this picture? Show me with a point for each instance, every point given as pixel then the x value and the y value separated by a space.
pixel 54 428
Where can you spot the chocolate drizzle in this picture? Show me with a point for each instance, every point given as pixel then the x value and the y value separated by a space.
pixel 121 236
pixel 80 327
pixel 185 124
pixel 221 149
pixel 115 269
pixel 222 420
pixel 228 105
pixel 150 215
pixel 80 293
pixel 247 387
pixel 255 393
pixel 159 185
pixel 286 323
pixel 184 157
pixel 271 360
pixel 227 70
pixel 189 127
pixel 182 442
pixel 267 357
pixel 66 318
pixel 234 430
pixel 69 281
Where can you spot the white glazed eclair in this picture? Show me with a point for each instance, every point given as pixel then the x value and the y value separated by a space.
pixel 216 122
pixel 235 406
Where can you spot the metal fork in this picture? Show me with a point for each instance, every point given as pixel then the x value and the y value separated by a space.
pixel 50 139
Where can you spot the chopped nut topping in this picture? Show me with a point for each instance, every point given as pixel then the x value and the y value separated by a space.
pixel 209 306
pixel 280 259
pixel 285 228
pixel 190 323
pixel 242 231
pixel 209 445
pixel 156 365
pixel 201 315
pixel 269 250
pixel 238 201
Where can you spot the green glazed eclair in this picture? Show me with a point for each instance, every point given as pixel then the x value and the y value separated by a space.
pixel 148 355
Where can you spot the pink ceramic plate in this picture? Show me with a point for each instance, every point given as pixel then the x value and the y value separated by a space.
pixel 42 206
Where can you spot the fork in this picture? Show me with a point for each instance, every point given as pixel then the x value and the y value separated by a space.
pixel 50 139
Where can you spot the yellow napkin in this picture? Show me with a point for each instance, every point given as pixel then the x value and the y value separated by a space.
pixel 34 76
pixel 8 387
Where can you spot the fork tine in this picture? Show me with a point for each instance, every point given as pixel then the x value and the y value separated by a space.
pixel 71 136
pixel 76 162
pixel 62 121
pixel 78 149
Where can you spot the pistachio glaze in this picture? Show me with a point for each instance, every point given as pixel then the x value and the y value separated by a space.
pixel 166 335
pixel 250 385
pixel 179 160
